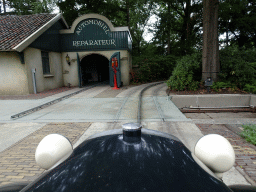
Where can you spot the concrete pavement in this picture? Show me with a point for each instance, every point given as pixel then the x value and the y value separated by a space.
pixel 12 107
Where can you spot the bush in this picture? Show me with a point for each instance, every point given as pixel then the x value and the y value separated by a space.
pixel 249 133
pixel 134 77
pixel 187 73
pixel 220 85
pixel 250 88
pixel 153 68
pixel 238 66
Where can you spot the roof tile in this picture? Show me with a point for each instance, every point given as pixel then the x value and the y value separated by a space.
pixel 16 28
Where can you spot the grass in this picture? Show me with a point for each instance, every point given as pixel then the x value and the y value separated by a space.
pixel 249 133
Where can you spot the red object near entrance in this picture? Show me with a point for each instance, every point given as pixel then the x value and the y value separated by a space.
pixel 114 66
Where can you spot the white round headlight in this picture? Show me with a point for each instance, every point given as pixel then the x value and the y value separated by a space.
pixel 215 152
pixel 52 150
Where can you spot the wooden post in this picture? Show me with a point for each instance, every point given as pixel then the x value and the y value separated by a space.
pixel 210 60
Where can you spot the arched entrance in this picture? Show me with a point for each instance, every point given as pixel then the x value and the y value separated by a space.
pixel 94 68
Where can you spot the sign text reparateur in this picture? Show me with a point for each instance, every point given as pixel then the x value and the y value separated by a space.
pixel 90 22
pixel 94 42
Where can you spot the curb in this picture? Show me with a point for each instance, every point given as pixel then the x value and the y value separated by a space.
pixel 241 171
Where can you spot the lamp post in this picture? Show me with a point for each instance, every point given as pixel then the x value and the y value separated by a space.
pixel 208 82
pixel 68 59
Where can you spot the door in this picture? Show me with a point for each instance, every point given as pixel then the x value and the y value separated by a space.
pixel 118 70
pixel 79 71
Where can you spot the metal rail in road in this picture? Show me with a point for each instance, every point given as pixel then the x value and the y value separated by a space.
pixel 37 108
pixel 158 107
pixel 140 100
pixel 112 126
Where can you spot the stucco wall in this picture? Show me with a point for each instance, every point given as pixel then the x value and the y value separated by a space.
pixel 130 64
pixel 70 73
pixel 43 82
pixel 13 78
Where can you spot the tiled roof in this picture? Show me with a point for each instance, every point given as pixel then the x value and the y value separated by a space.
pixel 14 29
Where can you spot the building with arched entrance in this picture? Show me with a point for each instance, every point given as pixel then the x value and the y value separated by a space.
pixel 41 52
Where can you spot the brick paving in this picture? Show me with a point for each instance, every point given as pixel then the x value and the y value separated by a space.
pixel 244 151
pixel 40 95
pixel 17 163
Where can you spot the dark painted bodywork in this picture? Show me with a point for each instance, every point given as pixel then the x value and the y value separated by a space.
pixel 159 162
pixel 243 188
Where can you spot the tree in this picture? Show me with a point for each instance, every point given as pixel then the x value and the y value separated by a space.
pixel 111 9
pixel 179 25
pixel 4 6
pixel 140 12
pixel 26 7
pixel 166 27
pixel 238 17
pixel 210 65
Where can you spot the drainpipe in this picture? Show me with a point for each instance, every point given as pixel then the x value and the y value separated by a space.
pixel 34 79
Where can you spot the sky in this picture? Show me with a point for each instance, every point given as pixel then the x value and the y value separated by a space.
pixel 147 35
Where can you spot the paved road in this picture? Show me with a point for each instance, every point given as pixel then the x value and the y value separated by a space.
pixel 91 112
pixel 99 104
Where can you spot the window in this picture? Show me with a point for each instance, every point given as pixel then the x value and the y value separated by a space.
pixel 45 61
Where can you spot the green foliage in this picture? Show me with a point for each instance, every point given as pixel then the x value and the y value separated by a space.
pixel 238 66
pixel 250 88
pixel 152 68
pixel 26 7
pixel 187 73
pixel 249 133
pixel 178 28
pixel 239 18
pixel 223 85
pixel 72 9
pixel 219 85
pixel 140 12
